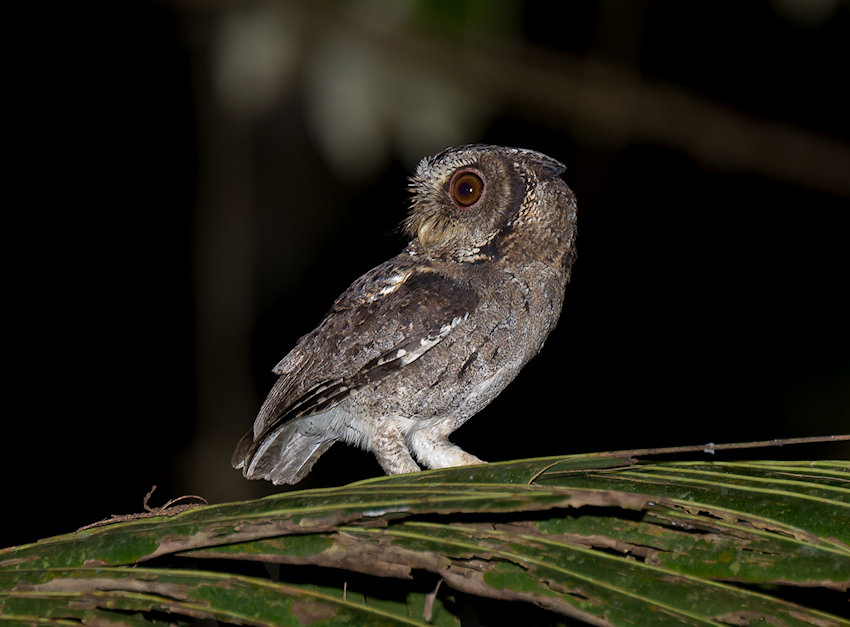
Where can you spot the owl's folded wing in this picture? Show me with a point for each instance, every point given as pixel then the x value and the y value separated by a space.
pixel 386 320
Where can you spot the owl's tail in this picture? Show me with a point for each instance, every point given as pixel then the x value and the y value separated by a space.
pixel 284 455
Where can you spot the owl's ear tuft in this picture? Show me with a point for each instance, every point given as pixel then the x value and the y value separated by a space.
pixel 545 167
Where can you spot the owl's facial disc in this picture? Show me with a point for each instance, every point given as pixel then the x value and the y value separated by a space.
pixel 462 197
pixel 447 219
pixel 444 205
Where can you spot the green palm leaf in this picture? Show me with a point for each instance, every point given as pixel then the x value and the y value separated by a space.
pixel 604 539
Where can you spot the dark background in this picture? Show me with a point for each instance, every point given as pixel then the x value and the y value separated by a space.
pixel 193 183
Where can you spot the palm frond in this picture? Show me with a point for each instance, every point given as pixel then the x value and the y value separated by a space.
pixel 607 539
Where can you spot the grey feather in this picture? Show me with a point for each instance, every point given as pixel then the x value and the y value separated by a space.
pixel 283 456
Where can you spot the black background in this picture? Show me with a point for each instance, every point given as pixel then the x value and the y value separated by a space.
pixel 708 304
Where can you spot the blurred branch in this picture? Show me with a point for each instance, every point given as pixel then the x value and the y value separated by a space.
pixel 596 101
pixel 593 100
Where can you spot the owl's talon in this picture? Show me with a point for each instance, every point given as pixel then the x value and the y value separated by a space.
pixel 437 452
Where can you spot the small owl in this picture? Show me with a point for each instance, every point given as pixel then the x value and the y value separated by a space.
pixel 418 345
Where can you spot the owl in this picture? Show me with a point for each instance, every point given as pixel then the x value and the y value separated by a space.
pixel 421 343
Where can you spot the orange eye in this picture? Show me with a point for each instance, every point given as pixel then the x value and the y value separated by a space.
pixel 467 188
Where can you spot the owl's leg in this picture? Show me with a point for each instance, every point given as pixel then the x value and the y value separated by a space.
pixel 389 448
pixel 435 451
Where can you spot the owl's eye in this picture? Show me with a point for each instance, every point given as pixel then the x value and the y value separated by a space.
pixel 466 188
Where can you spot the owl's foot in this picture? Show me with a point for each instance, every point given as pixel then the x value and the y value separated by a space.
pixel 437 452
pixel 389 448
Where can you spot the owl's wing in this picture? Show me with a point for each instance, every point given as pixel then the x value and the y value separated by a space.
pixel 384 321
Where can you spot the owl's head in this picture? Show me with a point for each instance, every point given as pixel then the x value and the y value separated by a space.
pixel 465 197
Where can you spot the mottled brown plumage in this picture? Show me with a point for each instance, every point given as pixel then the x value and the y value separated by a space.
pixel 418 345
